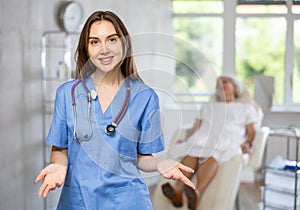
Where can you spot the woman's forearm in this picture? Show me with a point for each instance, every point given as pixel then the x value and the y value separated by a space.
pixel 59 156
pixel 192 130
pixel 147 163
pixel 250 132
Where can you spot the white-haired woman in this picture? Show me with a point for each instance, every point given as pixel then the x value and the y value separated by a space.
pixel 224 129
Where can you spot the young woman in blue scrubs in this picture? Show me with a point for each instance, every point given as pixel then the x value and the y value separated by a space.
pixel 100 171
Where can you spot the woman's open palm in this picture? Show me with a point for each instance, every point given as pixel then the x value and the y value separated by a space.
pixel 54 176
pixel 172 169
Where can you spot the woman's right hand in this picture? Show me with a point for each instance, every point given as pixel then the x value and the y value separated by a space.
pixel 54 176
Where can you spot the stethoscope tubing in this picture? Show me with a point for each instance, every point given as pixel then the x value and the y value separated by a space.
pixel 86 136
pixel 124 108
pixel 110 129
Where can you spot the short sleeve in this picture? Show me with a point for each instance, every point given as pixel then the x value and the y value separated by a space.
pixel 57 135
pixel 202 112
pixel 251 114
pixel 151 138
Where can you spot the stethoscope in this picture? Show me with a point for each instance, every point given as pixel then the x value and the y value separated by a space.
pixel 92 95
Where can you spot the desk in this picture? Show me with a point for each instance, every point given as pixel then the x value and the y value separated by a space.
pixel 288 134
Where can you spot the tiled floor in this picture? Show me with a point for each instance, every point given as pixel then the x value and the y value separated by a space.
pixel 250 196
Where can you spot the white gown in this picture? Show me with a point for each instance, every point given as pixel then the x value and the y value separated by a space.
pixel 222 130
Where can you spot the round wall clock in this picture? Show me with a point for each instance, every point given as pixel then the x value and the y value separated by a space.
pixel 70 16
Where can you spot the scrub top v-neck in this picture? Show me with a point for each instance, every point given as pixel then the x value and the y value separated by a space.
pixel 93 87
pixel 102 171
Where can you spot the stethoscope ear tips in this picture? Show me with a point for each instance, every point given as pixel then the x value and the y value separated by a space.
pixel 110 129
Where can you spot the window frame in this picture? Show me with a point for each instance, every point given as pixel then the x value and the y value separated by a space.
pixel 262 2
pixel 230 16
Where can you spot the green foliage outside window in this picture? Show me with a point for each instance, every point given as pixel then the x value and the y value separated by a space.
pixel 260 49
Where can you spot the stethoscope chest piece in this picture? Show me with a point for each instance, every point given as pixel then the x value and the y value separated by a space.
pixel 93 94
pixel 110 129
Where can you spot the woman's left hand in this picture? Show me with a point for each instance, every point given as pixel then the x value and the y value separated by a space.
pixel 245 147
pixel 171 169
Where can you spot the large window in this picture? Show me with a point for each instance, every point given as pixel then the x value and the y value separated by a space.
pixel 260 49
pixel 296 72
pixel 264 35
pixel 198 27
pixel 266 45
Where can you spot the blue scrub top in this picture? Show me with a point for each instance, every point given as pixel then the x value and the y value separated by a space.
pixel 102 171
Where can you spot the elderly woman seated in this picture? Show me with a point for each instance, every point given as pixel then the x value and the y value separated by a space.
pixel 224 129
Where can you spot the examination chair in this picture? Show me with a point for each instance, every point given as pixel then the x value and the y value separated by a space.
pixel 221 193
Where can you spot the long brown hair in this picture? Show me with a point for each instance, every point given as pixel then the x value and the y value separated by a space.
pixel 84 66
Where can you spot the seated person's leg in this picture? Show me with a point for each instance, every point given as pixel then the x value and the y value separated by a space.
pixel 205 173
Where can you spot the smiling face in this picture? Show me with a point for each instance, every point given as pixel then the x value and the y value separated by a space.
pixel 105 47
